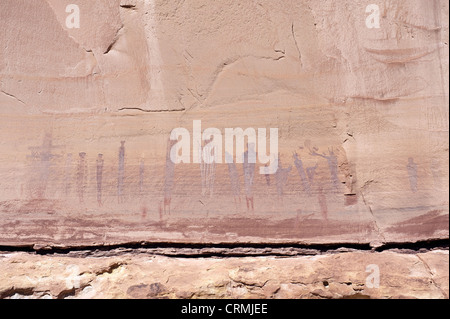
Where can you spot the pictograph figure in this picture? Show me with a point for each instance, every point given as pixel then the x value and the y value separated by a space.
pixel 41 157
pixel 317 178
pixel 322 202
pixel 249 165
pixel 121 172
pixel 305 180
pixel 312 177
pixel 169 177
pixel 332 164
pixel 207 168
pixel 311 172
pixel 67 174
pixel 267 176
pixel 141 176
pixel 412 173
pixel 141 188
pixel 234 179
pixel 99 163
pixel 81 176
pixel 281 177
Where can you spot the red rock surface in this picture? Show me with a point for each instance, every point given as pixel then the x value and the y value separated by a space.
pixel 361 113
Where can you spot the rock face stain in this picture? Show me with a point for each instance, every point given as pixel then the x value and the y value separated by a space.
pixel 99 165
pixel 249 160
pixel 281 177
pixel 168 179
pixel 121 173
pixel 82 176
pixel 235 183
pixel 412 174
pixel 141 176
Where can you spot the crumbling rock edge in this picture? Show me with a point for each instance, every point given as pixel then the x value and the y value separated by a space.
pixel 134 274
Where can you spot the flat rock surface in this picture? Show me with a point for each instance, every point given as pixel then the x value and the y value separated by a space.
pixel 361 115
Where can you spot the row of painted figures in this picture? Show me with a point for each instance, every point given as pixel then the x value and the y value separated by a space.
pixel 335 160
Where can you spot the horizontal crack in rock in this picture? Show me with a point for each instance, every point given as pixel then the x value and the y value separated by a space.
pixel 186 250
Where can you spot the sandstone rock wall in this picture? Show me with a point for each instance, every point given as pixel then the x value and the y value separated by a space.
pixel 141 275
pixel 87 113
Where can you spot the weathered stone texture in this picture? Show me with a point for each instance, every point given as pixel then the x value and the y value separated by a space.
pixel 342 275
